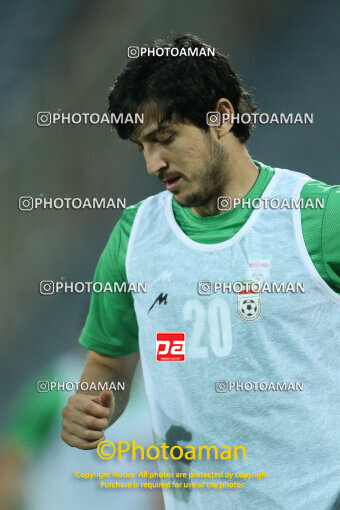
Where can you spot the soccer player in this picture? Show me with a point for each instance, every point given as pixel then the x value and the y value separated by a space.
pixel 281 349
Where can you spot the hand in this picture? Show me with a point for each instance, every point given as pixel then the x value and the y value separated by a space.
pixel 85 419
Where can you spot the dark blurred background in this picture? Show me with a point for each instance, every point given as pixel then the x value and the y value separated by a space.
pixel 64 55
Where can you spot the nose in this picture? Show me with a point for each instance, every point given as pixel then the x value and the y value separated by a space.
pixel 155 161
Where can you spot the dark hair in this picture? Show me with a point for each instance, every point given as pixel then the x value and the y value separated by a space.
pixel 185 86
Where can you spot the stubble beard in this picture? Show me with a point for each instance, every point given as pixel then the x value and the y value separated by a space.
pixel 211 179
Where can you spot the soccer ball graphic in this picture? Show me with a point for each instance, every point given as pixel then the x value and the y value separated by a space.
pixel 249 308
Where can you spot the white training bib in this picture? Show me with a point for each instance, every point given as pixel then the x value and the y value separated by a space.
pixel 285 337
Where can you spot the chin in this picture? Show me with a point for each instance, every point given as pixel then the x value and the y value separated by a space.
pixel 193 200
pixel 181 201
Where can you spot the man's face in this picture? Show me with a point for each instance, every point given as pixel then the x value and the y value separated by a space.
pixel 188 160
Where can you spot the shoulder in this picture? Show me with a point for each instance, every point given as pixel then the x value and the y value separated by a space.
pixel 314 189
pixel 119 239
pixel 329 198
pixel 129 215
pixel 319 189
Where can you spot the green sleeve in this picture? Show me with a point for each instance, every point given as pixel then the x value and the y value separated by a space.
pixel 31 414
pixel 321 231
pixel 111 325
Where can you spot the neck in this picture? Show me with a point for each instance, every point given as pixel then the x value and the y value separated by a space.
pixel 242 174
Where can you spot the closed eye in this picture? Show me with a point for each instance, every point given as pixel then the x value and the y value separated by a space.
pixel 162 142
pixel 167 141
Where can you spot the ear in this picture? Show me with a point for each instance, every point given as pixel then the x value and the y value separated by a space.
pixel 226 113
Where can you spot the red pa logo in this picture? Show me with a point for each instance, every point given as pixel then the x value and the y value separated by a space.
pixel 170 346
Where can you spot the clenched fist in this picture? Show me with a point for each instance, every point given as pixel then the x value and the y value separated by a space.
pixel 85 419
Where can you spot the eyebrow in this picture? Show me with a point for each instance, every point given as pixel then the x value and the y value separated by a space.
pixel 152 133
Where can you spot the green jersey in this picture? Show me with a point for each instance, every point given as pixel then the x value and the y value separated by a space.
pixel 111 326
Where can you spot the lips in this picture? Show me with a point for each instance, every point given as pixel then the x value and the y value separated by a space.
pixel 171 178
pixel 172 183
